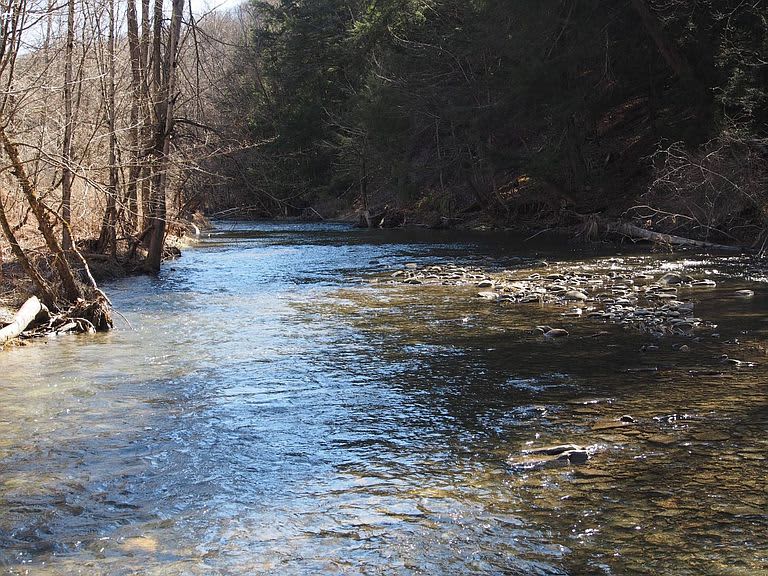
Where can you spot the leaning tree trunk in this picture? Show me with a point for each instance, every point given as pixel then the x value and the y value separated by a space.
pixel 676 61
pixel 72 290
pixel 633 231
pixel 42 286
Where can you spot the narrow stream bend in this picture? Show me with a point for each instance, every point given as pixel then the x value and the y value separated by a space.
pixel 280 407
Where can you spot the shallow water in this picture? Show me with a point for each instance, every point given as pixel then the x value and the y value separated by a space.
pixel 278 406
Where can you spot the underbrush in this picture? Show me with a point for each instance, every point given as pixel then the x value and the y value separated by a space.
pixel 718 191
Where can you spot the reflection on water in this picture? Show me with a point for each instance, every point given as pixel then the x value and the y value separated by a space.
pixel 273 412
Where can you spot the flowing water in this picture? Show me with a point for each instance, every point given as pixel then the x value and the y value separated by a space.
pixel 278 406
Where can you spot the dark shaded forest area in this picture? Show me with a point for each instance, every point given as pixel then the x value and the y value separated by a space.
pixel 523 113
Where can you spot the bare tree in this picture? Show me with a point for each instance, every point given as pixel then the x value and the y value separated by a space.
pixel 66 153
pixel 164 81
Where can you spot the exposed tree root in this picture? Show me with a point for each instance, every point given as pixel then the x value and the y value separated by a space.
pixel 27 314
pixel 35 320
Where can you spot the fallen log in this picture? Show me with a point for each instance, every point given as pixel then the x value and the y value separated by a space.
pixel 643 234
pixel 23 318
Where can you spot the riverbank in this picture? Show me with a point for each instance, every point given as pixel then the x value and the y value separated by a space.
pixel 16 287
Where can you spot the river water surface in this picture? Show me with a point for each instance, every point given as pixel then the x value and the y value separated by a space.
pixel 279 406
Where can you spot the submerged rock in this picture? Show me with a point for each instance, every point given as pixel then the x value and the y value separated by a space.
pixel 556 333
pixel 554 450
pixel 673 279
pixel 551 456
pixel 724 359
pixel 575 456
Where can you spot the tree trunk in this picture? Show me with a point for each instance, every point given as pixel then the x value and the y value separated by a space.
pixel 66 152
pixel 165 80
pixel 24 317
pixel 637 232
pixel 134 51
pixel 108 236
pixel 71 288
pixel 42 286
pixel 676 61
pixel 146 128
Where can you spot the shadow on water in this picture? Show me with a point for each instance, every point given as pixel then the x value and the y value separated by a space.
pixel 279 407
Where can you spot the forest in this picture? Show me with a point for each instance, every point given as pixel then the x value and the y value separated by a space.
pixel 120 123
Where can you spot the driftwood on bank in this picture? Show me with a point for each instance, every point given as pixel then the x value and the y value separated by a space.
pixel 594 225
pixel 632 231
pixel 31 309
pixel 34 320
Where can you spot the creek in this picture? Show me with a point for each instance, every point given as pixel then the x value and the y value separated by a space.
pixel 280 405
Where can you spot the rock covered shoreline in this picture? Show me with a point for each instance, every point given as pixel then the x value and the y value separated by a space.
pixel 658 304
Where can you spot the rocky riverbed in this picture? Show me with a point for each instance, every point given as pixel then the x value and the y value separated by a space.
pixel 656 303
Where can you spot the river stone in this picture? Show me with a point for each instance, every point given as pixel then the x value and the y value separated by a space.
pixel 413 281
pixel 733 362
pixel 575 456
pixel 488 295
pixel 664 295
pixel 529 299
pixel 606 425
pixel 485 284
pixel 744 293
pixel 705 282
pixel 574 295
pixel 662 439
pixel 554 450
pixel 556 333
pixel 411 265
pixel 672 278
